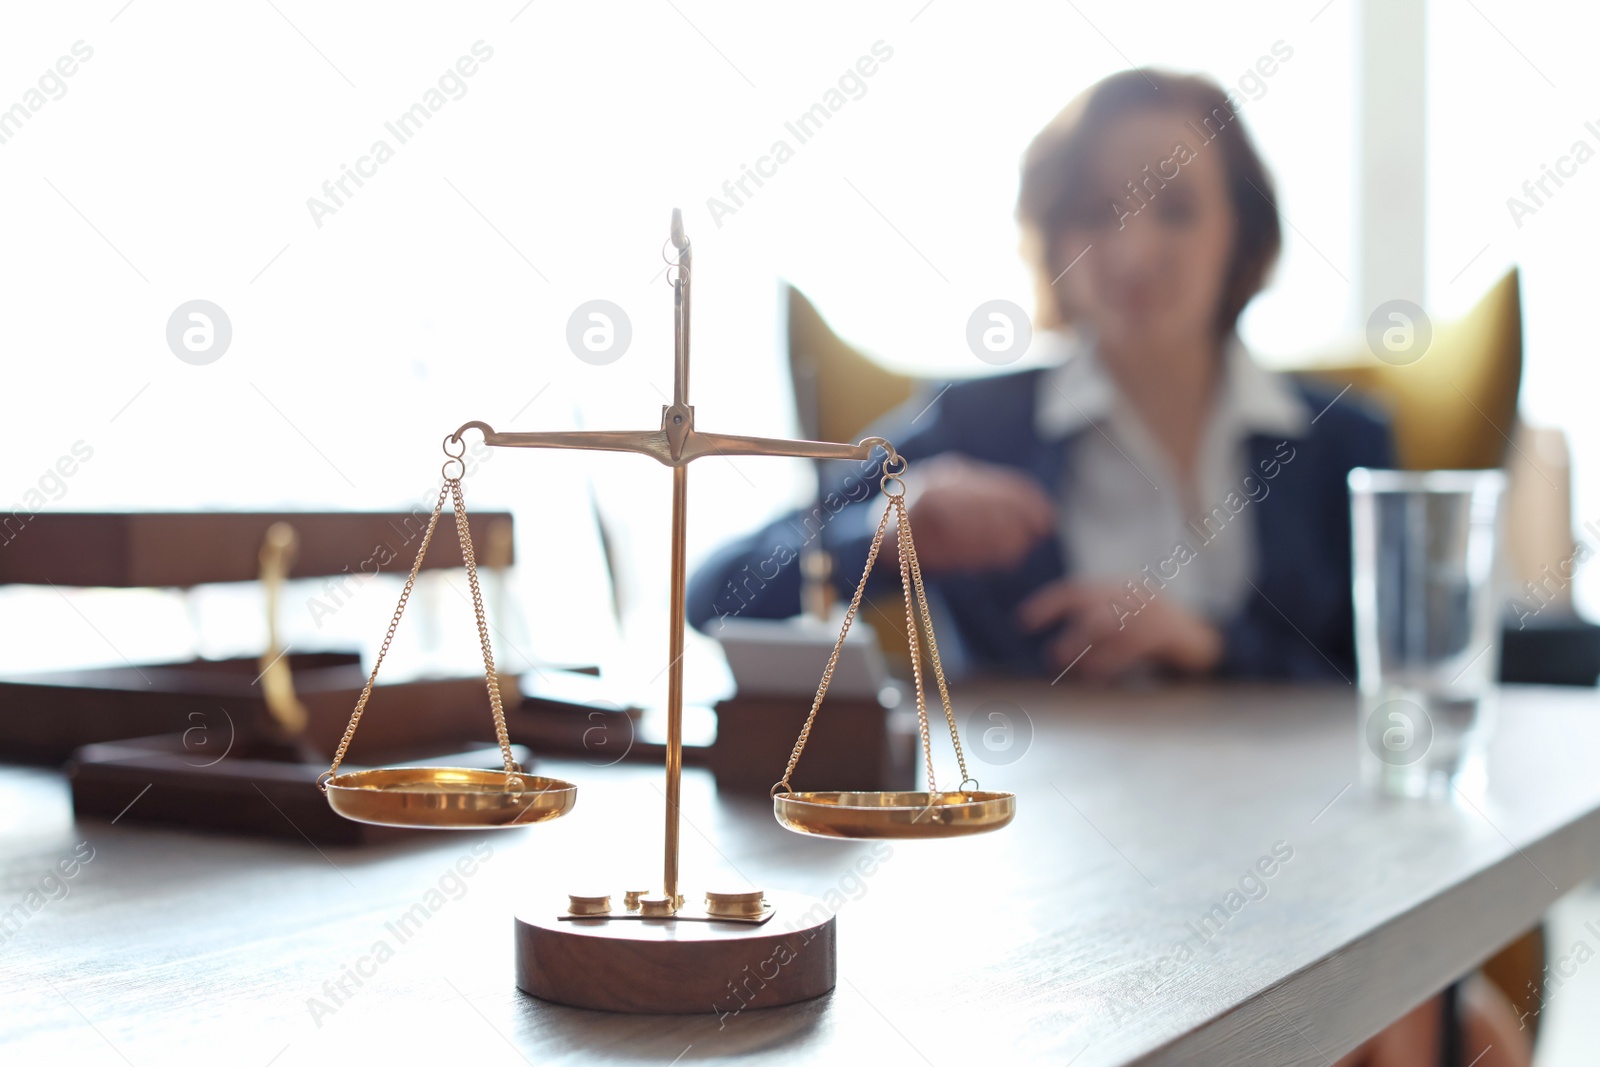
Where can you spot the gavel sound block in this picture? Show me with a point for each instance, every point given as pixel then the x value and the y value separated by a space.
pixel 855 743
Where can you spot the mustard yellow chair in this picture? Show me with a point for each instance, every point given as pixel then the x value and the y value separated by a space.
pixel 838 391
pixel 1456 406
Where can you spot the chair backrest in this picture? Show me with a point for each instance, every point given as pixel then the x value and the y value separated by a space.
pixel 1454 407
pixel 838 391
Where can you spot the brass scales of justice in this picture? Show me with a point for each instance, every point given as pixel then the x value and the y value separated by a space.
pixel 659 952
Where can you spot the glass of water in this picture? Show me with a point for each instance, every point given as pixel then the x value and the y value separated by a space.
pixel 1426 547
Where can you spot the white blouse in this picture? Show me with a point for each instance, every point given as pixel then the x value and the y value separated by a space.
pixel 1125 514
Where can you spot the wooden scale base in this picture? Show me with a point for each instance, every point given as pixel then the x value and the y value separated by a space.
pixel 673 966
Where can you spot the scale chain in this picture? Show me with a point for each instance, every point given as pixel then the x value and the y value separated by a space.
pixel 451 488
pixel 911 583
pixel 898 503
pixel 833 660
pixel 908 549
pixel 491 678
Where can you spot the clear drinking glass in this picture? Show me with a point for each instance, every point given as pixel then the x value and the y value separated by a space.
pixel 1426 547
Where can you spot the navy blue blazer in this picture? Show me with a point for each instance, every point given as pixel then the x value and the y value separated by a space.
pixel 1296 622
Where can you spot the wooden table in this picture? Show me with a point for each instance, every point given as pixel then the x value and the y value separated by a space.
pixel 1051 942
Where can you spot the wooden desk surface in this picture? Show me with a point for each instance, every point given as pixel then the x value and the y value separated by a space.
pixel 1054 941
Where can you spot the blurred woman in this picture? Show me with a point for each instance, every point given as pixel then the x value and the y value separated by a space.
pixel 1152 500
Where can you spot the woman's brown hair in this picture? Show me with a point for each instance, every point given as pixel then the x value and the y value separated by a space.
pixel 1055 171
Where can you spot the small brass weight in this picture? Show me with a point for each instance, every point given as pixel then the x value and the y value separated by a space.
pixel 656 950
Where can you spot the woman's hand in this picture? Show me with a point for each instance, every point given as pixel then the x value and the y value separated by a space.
pixel 969 515
pixel 1113 633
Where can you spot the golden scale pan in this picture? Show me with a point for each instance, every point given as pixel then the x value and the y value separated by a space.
pixel 882 814
pixel 445 798
pixel 453 797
